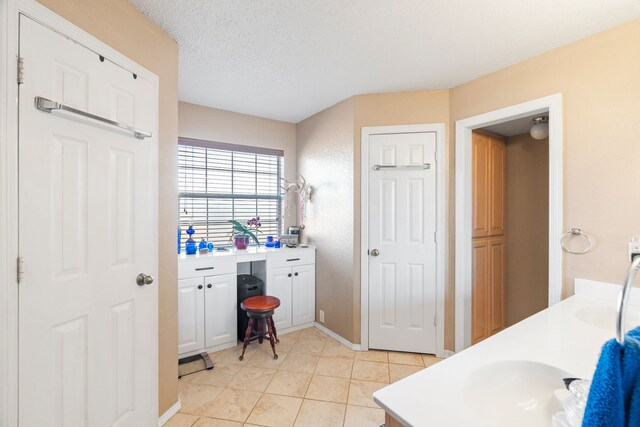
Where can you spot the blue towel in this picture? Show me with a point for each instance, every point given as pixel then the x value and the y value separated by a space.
pixel 614 397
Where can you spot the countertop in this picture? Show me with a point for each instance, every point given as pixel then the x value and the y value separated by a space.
pixel 253 252
pixel 564 336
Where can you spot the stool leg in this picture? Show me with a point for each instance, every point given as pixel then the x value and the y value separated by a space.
pixel 271 338
pixel 275 333
pixel 247 338
pixel 260 331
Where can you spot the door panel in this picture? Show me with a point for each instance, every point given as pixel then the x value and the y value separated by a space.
pixel 497 187
pixel 481 278
pixel 480 183
pixel 402 225
pixel 87 330
pixel 221 299
pixel 190 314
pixel 279 284
pixel 304 294
pixel 496 294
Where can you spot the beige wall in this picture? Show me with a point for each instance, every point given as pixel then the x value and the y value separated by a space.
pixel 211 124
pixel 122 27
pixel 325 158
pixel 598 78
pixel 526 288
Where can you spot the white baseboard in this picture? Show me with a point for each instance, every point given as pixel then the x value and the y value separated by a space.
pixel 448 353
pixel 170 413
pixel 355 347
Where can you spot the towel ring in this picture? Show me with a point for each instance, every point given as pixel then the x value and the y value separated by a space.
pixel 575 232
pixel 623 300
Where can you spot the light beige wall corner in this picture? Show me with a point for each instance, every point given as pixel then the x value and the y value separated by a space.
pixel 325 158
pixel 598 78
pixel 526 285
pixel 212 124
pixel 400 108
pixel 118 24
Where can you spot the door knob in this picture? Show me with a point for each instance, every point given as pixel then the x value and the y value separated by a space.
pixel 144 279
pixel 295 274
pixel 289 275
pixel 375 252
pixel 209 285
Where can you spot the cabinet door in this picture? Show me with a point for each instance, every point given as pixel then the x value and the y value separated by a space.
pixel 190 314
pixel 480 184
pixel 496 288
pixel 220 302
pixel 479 303
pixel 304 294
pixel 279 282
pixel 496 184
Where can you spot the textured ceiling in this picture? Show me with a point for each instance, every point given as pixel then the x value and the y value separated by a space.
pixel 288 59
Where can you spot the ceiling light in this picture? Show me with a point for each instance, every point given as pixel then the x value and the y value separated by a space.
pixel 540 128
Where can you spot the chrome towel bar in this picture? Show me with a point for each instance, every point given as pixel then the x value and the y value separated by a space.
pixel 423 166
pixel 47 105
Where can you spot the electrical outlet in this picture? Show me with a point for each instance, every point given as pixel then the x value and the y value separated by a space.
pixel 634 247
pixel 321 316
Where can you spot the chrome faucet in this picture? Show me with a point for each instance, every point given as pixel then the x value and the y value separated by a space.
pixel 623 299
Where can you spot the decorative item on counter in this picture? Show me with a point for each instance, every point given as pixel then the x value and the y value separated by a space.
pixel 241 234
pixel 202 246
pixel 179 239
pixel 270 243
pixel 190 245
pixel 210 246
pixel 303 189
pixel 291 240
pixel 277 245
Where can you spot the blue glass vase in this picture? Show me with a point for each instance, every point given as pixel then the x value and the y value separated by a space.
pixel 190 246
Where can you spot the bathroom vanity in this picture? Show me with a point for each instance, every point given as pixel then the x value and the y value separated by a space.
pixel 207 293
pixel 514 377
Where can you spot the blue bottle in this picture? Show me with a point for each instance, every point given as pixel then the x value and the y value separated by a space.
pixel 179 239
pixel 210 246
pixel 270 243
pixel 190 245
pixel 202 246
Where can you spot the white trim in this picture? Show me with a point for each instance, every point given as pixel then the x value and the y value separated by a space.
pixel 343 341
pixel 439 129
pixel 448 353
pixel 552 104
pixel 9 36
pixel 162 420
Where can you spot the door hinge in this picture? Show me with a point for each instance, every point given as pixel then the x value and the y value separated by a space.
pixel 20 70
pixel 20 269
pixel 435 319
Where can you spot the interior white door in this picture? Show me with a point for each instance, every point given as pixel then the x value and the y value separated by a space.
pixel 279 281
pixel 190 314
pixel 221 309
pixel 402 248
pixel 87 330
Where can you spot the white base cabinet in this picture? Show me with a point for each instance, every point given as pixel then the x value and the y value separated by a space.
pixel 208 294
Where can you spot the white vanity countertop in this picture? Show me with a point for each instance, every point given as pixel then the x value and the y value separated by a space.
pixel 564 336
pixel 252 253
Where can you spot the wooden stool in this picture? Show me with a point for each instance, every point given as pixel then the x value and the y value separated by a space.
pixel 260 309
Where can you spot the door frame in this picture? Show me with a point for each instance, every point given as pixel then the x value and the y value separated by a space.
pixel 439 129
pixel 10 11
pixel 552 105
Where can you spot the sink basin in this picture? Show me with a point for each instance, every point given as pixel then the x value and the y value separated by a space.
pixel 515 393
pixel 605 317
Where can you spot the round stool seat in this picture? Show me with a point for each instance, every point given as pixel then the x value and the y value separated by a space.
pixel 260 303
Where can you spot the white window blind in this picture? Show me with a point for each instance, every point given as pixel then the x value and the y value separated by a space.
pixel 218 182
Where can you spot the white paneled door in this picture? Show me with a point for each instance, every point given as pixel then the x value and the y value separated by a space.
pixel 87 330
pixel 402 247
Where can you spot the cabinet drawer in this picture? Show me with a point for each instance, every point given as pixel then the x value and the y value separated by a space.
pixel 206 267
pixel 291 257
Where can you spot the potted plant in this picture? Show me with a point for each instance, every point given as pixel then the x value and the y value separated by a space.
pixel 241 234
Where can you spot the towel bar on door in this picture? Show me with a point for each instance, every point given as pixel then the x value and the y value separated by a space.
pixel 623 299
pixel 575 232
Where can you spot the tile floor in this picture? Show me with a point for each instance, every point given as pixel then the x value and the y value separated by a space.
pixel 316 381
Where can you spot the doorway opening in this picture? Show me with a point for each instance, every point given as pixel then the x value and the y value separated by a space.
pixel 498 239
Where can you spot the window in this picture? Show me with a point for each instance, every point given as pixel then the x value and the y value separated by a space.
pixel 218 182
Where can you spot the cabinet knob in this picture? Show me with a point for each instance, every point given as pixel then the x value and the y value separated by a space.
pixel 295 274
pixel 199 286
pixel 289 274
pixel 209 285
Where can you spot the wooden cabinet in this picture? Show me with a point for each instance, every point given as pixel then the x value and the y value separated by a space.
pixel 488 172
pixel 488 228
